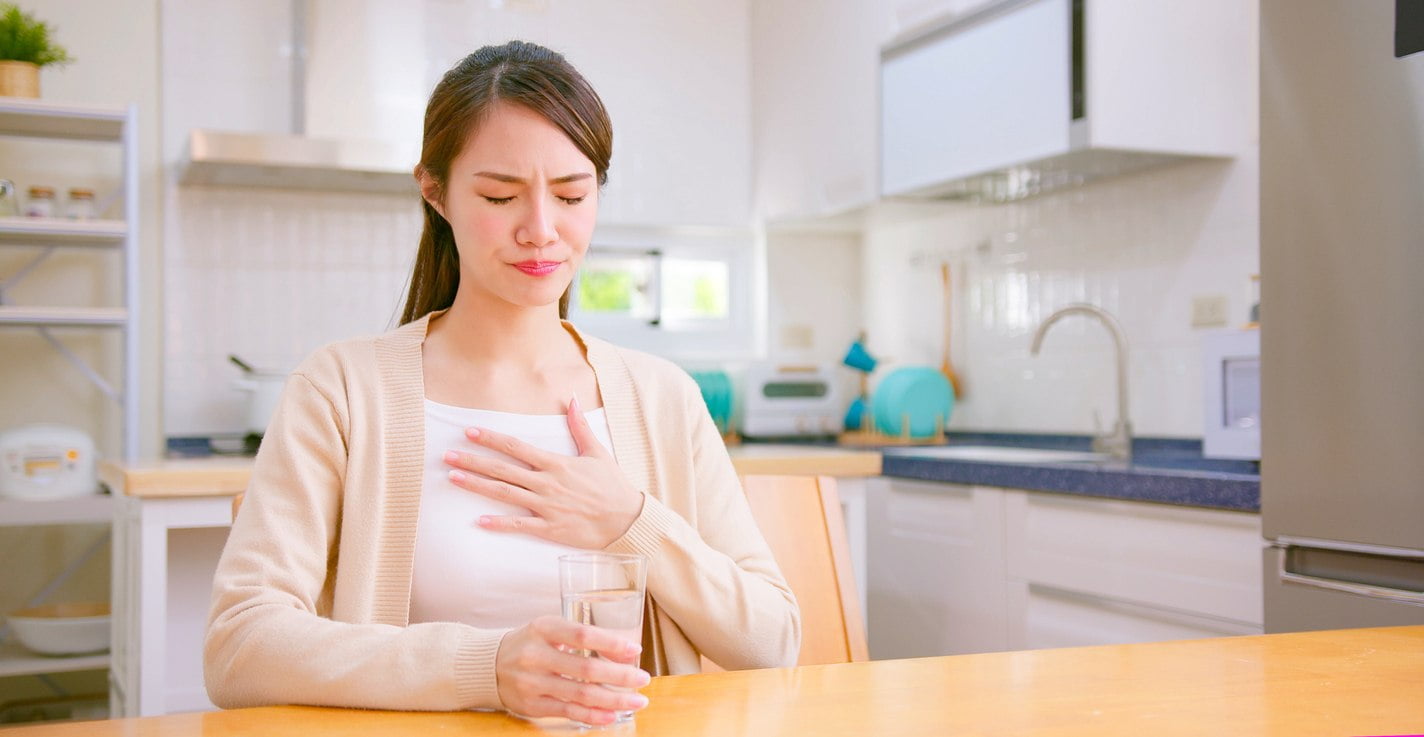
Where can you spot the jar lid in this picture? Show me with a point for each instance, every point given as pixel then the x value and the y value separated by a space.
pixel 81 193
pixel 38 191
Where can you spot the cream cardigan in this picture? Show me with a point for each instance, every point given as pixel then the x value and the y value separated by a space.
pixel 312 595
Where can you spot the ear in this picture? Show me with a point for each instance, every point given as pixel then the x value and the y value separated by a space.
pixel 429 189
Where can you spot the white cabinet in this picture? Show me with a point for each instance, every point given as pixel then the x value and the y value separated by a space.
pixel 993 93
pixel 1017 96
pixel 1095 571
pixel 813 105
pixel 675 79
pixel 959 569
pixel 166 552
pixel 936 569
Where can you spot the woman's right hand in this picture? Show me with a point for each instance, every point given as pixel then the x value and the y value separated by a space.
pixel 537 677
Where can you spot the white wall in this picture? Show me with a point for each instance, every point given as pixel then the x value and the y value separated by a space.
pixel 1140 246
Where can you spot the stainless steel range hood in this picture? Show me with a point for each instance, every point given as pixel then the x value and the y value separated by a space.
pixel 295 162
pixel 293 159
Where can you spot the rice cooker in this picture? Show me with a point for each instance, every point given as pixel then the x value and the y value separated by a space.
pixel 46 461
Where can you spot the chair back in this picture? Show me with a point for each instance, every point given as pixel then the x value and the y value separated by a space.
pixel 800 517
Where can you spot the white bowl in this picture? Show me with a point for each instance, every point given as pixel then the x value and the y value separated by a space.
pixel 63 629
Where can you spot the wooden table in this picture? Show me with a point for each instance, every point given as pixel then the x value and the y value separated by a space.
pixel 172 521
pixel 1345 682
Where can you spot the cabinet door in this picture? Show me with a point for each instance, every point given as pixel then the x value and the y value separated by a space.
pixel 813 105
pixel 1201 562
pixel 992 94
pixel 1043 617
pixel 936 569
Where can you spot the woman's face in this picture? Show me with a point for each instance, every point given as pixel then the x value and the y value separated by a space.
pixel 522 201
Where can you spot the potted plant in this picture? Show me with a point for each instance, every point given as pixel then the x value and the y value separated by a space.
pixel 25 46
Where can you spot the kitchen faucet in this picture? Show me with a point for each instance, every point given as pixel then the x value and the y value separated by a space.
pixel 1117 443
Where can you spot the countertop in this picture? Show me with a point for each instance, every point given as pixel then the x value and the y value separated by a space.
pixel 1343 682
pixel 228 475
pixel 1168 471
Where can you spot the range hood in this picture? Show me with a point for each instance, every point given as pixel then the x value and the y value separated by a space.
pixel 295 162
pixel 371 160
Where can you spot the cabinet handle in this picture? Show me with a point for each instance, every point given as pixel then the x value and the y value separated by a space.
pixel 1349 587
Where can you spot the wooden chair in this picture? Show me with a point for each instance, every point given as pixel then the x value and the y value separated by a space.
pixel 236 503
pixel 800 517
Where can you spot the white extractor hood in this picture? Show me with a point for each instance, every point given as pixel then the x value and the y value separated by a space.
pixel 355 111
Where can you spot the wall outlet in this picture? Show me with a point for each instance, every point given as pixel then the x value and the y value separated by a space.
pixel 797 337
pixel 1209 311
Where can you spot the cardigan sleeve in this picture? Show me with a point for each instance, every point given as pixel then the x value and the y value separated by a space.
pixel 270 638
pixel 715 578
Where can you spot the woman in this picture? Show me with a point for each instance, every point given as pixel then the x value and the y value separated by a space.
pixel 396 547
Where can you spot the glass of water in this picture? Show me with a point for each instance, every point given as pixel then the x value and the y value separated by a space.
pixel 605 590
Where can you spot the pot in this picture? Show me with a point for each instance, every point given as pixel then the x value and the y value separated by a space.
pixel 265 388
pixel 19 79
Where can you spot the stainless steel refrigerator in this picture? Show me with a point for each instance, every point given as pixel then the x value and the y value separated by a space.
pixel 1342 312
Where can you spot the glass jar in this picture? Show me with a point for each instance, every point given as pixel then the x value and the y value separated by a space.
pixel 9 199
pixel 81 204
pixel 40 203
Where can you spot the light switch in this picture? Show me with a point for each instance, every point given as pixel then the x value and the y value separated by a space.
pixel 797 337
pixel 1209 311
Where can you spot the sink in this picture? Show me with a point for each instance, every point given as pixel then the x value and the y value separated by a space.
pixel 999 454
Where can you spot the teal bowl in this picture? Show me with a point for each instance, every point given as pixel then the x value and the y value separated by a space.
pixel 920 393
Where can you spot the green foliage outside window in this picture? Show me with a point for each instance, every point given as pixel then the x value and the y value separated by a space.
pixel 605 291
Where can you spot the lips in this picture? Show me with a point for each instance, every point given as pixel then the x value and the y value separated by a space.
pixel 538 268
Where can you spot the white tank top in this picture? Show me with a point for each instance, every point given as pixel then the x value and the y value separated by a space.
pixel 463 572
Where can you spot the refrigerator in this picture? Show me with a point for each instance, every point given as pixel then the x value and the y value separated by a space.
pixel 1342 312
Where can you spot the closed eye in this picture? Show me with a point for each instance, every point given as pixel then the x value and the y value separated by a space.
pixel 571 200
pixel 499 200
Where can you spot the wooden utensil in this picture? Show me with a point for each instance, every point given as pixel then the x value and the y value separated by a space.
pixel 945 367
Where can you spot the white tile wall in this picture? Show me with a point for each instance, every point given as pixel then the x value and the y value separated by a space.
pixel 1140 246
pixel 270 275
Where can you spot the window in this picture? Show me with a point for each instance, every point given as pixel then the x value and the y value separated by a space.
pixel 617 285
pixel 682 293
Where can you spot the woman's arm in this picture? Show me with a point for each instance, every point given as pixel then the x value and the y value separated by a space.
pixel 270 639
pixel 717 580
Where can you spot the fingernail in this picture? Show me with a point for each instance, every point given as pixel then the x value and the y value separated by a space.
pixel 639 701
pixel 472 432
pixel 451 456
pixel 457 475
pixel 643 678
pixel 634 649
pixel 574 404
pixel 485 520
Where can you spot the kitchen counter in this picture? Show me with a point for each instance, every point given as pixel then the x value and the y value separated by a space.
pixel 227 475
pixel 1343 682
pixel 1162 470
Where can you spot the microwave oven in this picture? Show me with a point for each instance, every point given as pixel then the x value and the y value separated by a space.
pixel 1232 413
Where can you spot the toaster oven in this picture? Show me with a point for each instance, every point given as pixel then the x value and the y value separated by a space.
pixel 784 400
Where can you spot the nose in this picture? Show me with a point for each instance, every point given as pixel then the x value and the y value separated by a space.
pixel 537 227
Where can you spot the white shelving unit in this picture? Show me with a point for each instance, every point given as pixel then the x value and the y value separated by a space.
pixel 107 125
pixel 96 509
pixel 40 119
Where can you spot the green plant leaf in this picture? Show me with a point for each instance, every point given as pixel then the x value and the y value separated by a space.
pixel 23 38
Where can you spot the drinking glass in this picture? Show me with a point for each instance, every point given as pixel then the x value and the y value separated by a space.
pixel 605 590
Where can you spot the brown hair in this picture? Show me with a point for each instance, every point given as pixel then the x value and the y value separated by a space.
pixel 519 73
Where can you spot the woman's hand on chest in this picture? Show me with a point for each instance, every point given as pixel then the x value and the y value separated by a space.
pixel 582 501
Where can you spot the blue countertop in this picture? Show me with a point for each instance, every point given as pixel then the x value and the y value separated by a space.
pixel 1164 470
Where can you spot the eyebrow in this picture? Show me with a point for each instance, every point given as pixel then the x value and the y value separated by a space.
pixel 517 180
